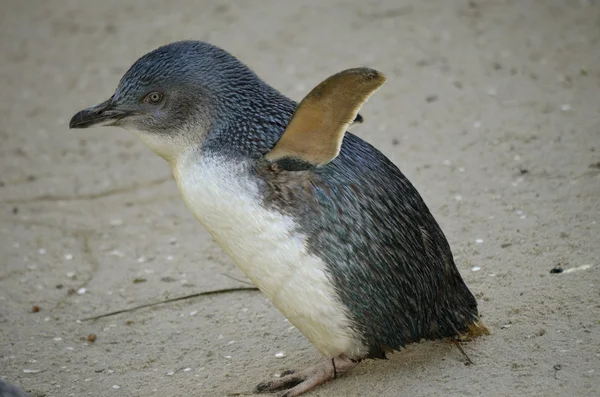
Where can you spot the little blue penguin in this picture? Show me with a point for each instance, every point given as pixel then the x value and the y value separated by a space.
pixel 323 223
pixel 8 390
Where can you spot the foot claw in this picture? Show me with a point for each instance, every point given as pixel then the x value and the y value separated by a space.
pixel 286 381
pixel 288 372
pixel 262 386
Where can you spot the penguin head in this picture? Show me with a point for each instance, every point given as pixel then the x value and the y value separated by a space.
pixel 174 96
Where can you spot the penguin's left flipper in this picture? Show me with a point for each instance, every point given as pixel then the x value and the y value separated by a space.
pixel 297 383
pixel 316 130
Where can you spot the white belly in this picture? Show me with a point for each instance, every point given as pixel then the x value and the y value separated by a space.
pixel 264 245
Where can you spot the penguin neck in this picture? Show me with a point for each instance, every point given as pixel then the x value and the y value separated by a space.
pixel 249 123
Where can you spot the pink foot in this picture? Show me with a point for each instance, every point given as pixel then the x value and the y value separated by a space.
pixel 297 383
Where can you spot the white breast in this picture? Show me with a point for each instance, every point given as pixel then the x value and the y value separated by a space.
pixel 264 245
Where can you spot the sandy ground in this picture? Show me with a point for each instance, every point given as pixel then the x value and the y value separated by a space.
pixel 491 108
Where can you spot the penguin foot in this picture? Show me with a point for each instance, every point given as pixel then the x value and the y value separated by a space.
pixel 296 383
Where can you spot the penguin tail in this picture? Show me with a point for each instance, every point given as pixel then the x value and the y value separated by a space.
pixel 474 330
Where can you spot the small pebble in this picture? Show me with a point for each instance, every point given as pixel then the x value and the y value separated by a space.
pixel 556 270
pixel 193 313
pixel 566 107
pixel 57 339
pixel 68 256
pixel 116 387
pixel 187 370
pixel 280 355
pixel 42 251
pixel 31 371
pixel 81 291
pixel 170 373
pixel 91 338
pixel 170 257
pixel 228 357
pixel 71 275
pixel 541 332
pixel 116 222
pixel 479 241
pixel 475 268
pixel 116 253
pixel 517 181
pixel 35 309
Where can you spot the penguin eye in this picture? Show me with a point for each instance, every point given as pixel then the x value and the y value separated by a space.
pixel 153 98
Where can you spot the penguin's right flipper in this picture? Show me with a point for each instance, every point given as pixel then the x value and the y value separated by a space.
pixel 316 130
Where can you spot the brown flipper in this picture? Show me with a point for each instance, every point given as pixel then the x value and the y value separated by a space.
pixel 315 133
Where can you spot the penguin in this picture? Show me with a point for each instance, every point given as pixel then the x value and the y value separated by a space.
pixel 323 223
pixel 8 390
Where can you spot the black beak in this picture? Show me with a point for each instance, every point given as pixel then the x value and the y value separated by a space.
pixel 104 113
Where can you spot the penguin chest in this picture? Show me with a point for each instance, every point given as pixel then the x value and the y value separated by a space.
pixel 265 245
